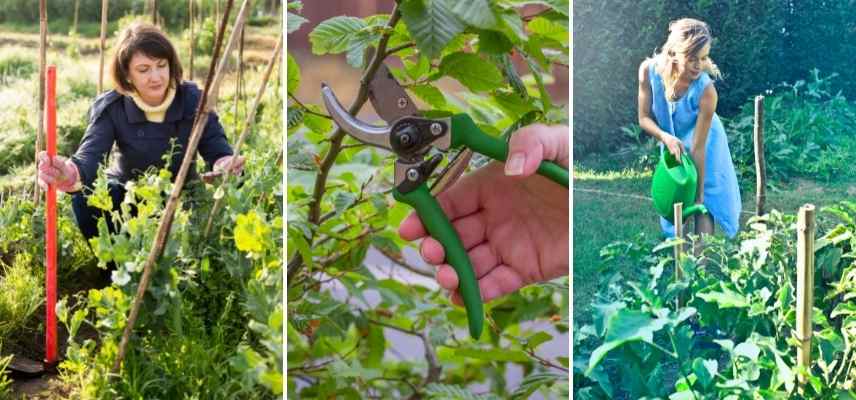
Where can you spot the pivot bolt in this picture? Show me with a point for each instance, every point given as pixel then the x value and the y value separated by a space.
pixel 436 129
pixel 402 102
pixel 412 174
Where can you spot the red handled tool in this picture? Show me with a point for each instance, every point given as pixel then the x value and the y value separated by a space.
pixel 50 226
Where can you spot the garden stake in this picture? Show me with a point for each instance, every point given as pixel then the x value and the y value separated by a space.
pixel 805 286
pixel 103 36
pixel 412 138
pixel 50 228
pixel 206 102
pixel 679 249
pixel 190 22
pixel 40 130
pixel 760 167
pixel 250 118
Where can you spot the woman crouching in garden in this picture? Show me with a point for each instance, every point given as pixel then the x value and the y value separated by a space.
pixel 677 106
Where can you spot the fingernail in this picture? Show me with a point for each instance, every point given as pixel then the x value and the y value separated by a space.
pixel 514 164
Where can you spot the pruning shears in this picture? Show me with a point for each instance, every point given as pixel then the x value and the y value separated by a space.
pixel 412 137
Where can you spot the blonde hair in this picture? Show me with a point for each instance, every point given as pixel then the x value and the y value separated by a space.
pixel 687 36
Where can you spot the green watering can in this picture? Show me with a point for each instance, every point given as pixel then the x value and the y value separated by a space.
pixel 675 182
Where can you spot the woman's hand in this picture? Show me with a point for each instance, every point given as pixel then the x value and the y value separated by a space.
pixel 58 171
pixel 226 162
pixel 674 145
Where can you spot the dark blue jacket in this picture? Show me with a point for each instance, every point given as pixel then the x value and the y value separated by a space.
pixel 140 144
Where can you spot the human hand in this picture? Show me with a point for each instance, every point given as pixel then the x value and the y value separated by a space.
pixel 674 146
pixel 221 165
pixel 58 171
pixel 513 222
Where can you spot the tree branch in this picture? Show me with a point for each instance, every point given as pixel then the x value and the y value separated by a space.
pixel 307 109
pixel 336 140
pixel 399 48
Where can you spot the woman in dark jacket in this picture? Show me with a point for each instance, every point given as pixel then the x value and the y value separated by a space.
pixel 149 107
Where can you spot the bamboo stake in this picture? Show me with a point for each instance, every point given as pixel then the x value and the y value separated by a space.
pixel 250 118
pixel 190 21
pixel 40 130
pixel 805 286
pixel 76 13
pixel 199 122
pixel 154 12
pixel 103 36
pixel 760 166
pixel 239 82
pixel 679 249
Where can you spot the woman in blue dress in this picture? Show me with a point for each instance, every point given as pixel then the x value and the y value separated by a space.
pixel 677 106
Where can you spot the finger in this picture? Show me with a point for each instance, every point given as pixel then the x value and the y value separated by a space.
pixel 432 251
pixel 42 184
pixel 483 260
pixel 456 299
pixel 499 282
pixel 411 228
pixel 471 230
pixel 447 278
pixel 534 143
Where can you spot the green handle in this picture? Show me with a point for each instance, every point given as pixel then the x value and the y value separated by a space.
pixel 694 209
pixel 466 133
pixel 439 227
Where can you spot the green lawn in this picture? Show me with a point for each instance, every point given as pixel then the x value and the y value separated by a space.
pixel 609 206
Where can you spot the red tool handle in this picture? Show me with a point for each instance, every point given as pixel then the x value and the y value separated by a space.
pixel 50 223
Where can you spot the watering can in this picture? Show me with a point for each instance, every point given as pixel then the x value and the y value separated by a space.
pixel 675 182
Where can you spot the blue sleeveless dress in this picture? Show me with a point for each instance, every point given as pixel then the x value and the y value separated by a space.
pixel 721 192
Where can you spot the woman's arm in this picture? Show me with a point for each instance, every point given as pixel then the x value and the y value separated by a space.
pixel 646 122
pixel 707 107
pixel 94 147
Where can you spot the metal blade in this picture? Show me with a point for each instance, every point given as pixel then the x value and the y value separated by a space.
pixel 368 134
pixel 388 98
pixel 452 171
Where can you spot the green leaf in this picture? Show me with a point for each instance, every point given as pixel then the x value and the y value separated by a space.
pixel 493 354
pixel 343 200
pixel 705 371
pixel 544 27
pixel 538 339
pixel 726 298
pixel 431 23
pixel 293 72
pixel 533 382
pixel 293 22
pixel 493 42
pixel 477 13
pixel 430 94
pixel 626 326
pixel 334 35
pixel 450 392
pixel 471 71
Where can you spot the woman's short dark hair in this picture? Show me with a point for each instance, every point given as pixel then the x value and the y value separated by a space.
pixel 141 37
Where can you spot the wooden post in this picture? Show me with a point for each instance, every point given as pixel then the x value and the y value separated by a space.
pixel 190 21
pixel 760 167
pixel 805 285
pixel 679 249
pixel 40 130
pixel 103 36
pixel 76 13
pixel 154 12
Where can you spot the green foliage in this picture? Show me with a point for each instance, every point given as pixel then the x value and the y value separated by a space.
pixel 785 45
pixel 807 128
pixel 5 382
pixel 732 336
pixel 342 313
pixel 15 66
pixel 21 294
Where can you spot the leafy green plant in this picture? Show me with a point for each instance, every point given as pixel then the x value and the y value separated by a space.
pixel 732 336
pixel 342 312
pixel 806 131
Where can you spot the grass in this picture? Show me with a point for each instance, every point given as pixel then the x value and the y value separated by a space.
pixel 612 205
pixel 21 294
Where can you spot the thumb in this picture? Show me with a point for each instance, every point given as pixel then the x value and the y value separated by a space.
pixel 533 144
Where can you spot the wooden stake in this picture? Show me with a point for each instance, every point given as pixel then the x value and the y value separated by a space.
pixel 40 130
pixel 206 103
pixel 154 12
pixel 76 13
pixel 760 166
pixel 250 118
pixel 190 21
pixel 805 285
pixel 679 249
pixel 103 37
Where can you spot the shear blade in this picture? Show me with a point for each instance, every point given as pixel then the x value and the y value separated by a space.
pixel 366 133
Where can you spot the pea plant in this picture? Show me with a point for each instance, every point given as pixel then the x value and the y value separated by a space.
pixel 732 337
pixel 342 313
